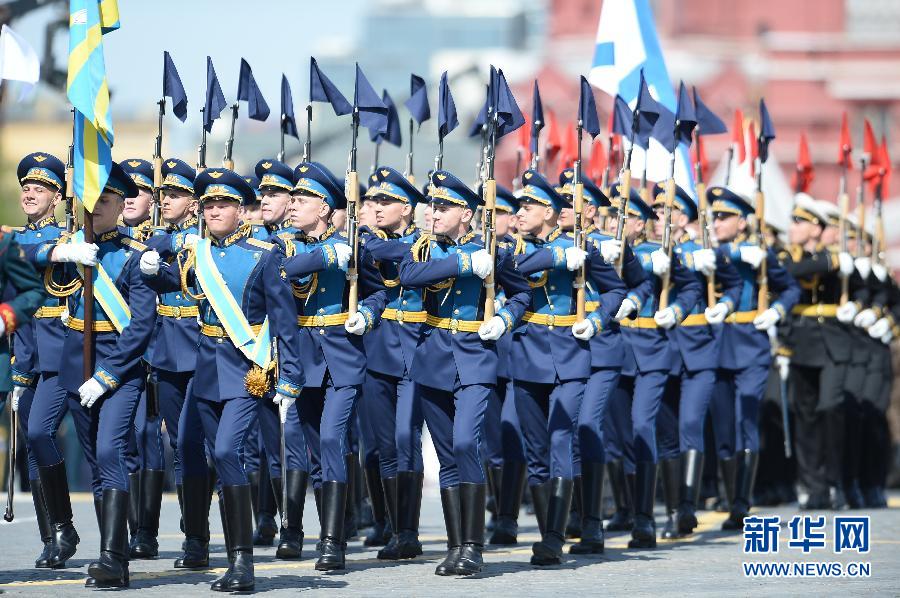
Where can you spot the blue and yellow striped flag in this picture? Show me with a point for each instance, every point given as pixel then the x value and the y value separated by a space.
pixel 88 91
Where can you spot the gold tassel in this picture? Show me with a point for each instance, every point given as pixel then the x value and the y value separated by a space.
pixel 258 381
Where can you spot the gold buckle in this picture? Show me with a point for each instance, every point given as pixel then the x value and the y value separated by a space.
pixel 454 325
pixel 319 320
pixel 550 319
pixel 400 316
pixel 176 311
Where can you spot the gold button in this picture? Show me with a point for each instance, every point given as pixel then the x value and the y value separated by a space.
pixel 456 311
pixel 39 234
pixel 403 302
pixel 178 296
pixel 322 290
pixel 552 288
pixel 458 292
pixel 321 331
pixel 219 340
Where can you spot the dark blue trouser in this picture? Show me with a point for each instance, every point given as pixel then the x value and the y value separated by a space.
pixel 735 408
pixel 631 433
pixel 105 430
pixel 191 441
pixel 683 412
pixel 254 451
pixel 589 444
pixel 24 412
pixel 225 424
pixel 172 390
pixel 270 435
pixel 455 421
pixel 392 410
pixel 369 446
pixel 325 414
pixel 48 407
pixel 548 414
pixel 148 437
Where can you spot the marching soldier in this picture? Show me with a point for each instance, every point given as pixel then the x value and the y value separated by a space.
pixel 331 347
pixel 252 212
pixel 136 211
pixel 745 358
pixel 37 343
pixel 248 342
pixel 551 356
pixel 391 404
pixel 696 350
pixel 456 359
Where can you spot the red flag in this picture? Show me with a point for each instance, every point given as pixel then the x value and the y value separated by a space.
pixel 552 145
pixel 846 144
pixel 737 135
pixel 597 165
pixel 885 162
pixel 701 157
pixel 754 148
pixel 803 175
pixel 870 147
pixel 523 141
pixel 569 152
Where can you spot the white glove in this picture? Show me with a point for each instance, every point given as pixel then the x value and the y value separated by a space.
pixel 752 255
pixel 717 313
pixel 888 337
pixel 575 257
pixel 356 324
pixel 705 261
pixel 661 262
pixel 845 263
pixel 666 318
pixel 880 328
pixel 149 263
pixel 783 363
pixel 583 330
pixel 864 319
pixel 610 249
pixel 492 329
pixel 482 264
pixel 864 265
pixel 626 309
pixel 342 251
pixel 498 305
pixel 16 394
pixel 284 404
pixel 2 326
pixel 190 240
pixel 846 312
pixel 89 392
pixel 879 271
pixel 766 319
pixel 75 253
pixel 64 316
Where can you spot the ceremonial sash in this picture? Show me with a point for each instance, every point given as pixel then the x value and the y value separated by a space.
pixel 105 292
pixel 256 347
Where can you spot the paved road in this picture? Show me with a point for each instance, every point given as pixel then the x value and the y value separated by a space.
pixel 708 563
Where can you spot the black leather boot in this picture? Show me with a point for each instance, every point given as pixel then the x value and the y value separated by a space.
pixel 221 584
pixel 195 514
pixel 334 499
pixel 745 473
pixel 90 582
pixel 145 544
pixel 239 523
pixel 450 504
pixel 494 475
pixel 409 507
pixel 55 488
pixel 134 505
pixel 472 499
pixel 573 527
pixel 291 544
pixel 622 486
pixel 643 534
pixel 111 569
pixel 592 504
pixel 671 475
pixel 540 498
pixel 268 497
pixel 381 531
pixel 391 486
pixel 689 494
pixel 549 550
pixel 350 527
pixel 43 521
pixel 728 472
pixel 512 484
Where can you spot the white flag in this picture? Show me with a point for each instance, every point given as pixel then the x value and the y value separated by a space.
pixel 18 62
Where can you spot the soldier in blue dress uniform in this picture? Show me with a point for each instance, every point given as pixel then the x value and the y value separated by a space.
pixel 649 357
pixel 331 344
pixel 551 355
pixel 252 212
pixel 391 406
pixel 37 343
pixel 745 356
pixel 136 211
pixel 695 346
pixel 248 343
pixel 456 359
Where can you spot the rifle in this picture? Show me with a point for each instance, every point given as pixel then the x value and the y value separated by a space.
pixel 861 208
pixel 578 237
pixel 227 161
pixel 762 277
pixel 489 221
pixel 667 234
pixel 625 189
pixel 351 190
pixel 71 219
pixel 409 157
pixel 201 166
pixel 156 218
pixel 844 204
pixel 703 221
pixel 307 145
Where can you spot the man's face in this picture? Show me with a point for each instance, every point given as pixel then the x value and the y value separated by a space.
pixel 274 205
pixel 501 223
pixel 428 216
pixel 390 213
pixel 222 216
pixel 679 221
pixel 38 201
pixel 830 235
pixel 567 218
pixel 252 212
pixel 727 226
pixel 137 209
pixel 800 231
pixel 447 220
pixel 367 213
pixel 531 217
pixel 339 219
pixel 106 212
pixel 634 227
pixel 176 205
pixel 306 211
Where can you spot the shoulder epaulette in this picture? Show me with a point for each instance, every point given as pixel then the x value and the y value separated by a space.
pixel 286 236
pixel 261 244
pixel 133 244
